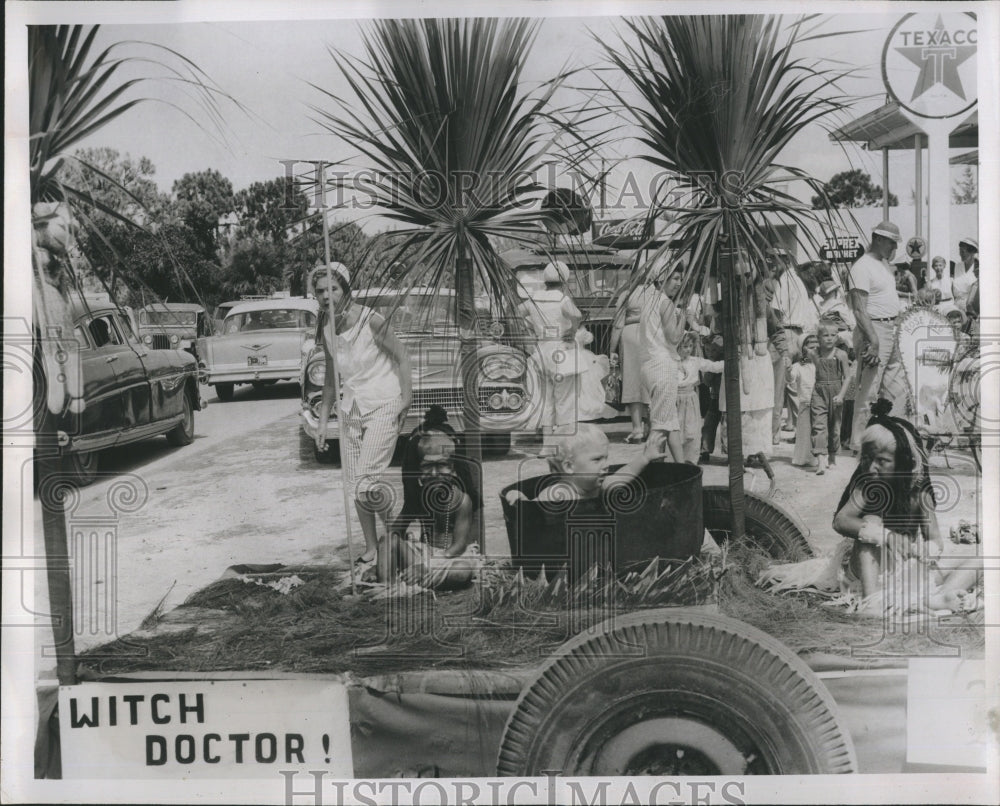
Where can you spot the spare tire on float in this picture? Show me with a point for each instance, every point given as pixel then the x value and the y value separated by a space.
pixel 769 526
pixel 658 515
pixel 701 694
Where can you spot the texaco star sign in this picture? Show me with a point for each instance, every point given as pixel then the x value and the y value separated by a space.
pixel 929 63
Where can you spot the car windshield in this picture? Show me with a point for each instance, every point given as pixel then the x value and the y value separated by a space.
pixel 601 282
pixel 169 318
pixel 417 312
pixel 270 319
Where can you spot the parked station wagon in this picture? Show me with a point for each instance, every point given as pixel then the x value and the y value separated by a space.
pixel 509 389
pixel 131 393
pixel 260 343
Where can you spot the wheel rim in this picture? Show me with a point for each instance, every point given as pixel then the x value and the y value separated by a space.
pixel 670 746
pixel 679 733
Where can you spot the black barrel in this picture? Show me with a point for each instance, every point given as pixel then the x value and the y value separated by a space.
pixel 657 515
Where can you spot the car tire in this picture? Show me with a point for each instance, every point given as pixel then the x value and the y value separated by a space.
pixel 225 391
pixel 82 467
pixel 768 525
pixel 496 444
pixel 701 695
pixel 183 433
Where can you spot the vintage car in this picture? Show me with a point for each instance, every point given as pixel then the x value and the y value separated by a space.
pixel 132 393
pixel 509 388
pixel 596 274
pixel 260 343
pixel 173 325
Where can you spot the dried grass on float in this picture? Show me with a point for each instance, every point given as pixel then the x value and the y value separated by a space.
pixel 506 621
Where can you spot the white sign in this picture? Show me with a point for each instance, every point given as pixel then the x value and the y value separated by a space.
pixel 946 721
pixel 204 729
pixel 929 63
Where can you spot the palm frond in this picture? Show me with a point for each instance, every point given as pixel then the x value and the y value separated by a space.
pixel 74 92
pixel 716 101
pixel 451 140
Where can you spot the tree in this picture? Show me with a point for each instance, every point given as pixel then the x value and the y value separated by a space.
pixel 442 117
pixel 273 209
pixel 114 184
pixel 117 189
pixel 966 189
pixel 691 82
pixel 202 199
pixel 165 264
pixel 255 266
pixel 852 188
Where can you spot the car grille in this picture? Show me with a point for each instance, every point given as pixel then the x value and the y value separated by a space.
pixel 449 399
pixel 160 342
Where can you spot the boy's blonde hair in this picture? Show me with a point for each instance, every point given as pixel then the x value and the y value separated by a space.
pixel 587 435
pixel 828 326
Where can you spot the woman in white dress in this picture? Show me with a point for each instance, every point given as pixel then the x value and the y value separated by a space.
pixel 626 339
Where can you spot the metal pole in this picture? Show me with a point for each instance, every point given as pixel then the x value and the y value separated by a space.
pixel 918 203
pixel 332 350
pixel 604 188
pixel 885 184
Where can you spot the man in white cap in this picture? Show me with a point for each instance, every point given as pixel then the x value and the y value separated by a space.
pixel 871 293
pixel 798 318
pixel 965 275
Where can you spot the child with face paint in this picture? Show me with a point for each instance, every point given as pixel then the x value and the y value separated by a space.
pixel 444 553
pixel 887 512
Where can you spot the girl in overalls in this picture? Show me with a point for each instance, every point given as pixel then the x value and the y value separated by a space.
pixel 832 380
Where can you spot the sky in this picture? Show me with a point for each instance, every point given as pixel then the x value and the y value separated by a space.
pixel 268 66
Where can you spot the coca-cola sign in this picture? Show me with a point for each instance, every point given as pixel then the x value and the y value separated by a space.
pixel 623 233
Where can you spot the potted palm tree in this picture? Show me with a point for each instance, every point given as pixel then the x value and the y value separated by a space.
pixel 451 141
pixel 715 101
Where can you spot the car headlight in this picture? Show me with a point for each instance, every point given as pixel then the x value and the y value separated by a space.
pixel 174 339
pixel 505 399
pixel 147 339
pixel 502 366
pixel 316 372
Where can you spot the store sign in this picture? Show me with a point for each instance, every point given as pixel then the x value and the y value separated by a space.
pixel 204 729
pixel 929 64
pixel 844 249
pixel 623 233
pixel 916 248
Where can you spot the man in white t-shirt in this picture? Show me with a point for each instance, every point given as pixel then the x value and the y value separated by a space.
pixel 871 293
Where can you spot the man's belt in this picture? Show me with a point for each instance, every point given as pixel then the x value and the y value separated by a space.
pixel 883 319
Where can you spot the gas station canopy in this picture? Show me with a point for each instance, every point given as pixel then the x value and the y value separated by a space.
pixel 968 158
pixel 886 127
